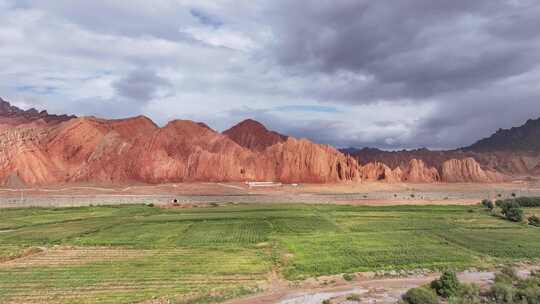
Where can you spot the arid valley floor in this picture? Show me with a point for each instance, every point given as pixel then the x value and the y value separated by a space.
pixel 228 242
pixel 203 193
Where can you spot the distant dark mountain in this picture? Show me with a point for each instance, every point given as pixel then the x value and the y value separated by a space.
pixel 514 152
pixel 12 115
pixel 523 138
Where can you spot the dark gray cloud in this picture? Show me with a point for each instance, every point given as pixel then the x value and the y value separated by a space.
pixel 141 85
pixel 474 62
pixel 407 49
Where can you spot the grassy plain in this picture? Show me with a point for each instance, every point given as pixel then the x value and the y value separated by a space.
pixel 132 253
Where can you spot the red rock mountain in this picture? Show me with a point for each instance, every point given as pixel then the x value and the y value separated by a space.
pixel 37 148
pixel 253 135
pixel 89 149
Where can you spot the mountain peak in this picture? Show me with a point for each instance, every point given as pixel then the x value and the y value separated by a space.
pixel 15 115
pixel 253 135
pixel 250 124
pixel 523 138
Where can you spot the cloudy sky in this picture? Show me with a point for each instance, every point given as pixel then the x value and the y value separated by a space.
pixel 381 73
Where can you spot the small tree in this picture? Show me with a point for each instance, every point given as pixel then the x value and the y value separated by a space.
pixel 512 211
pixel 503 293
pixel 447 285
pixel 500 203
pixel 420 296
pixel 348 277
pixel 467 294
pixel 488 204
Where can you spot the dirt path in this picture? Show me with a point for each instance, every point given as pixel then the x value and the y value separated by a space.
pixel 354 194
pixel 385 290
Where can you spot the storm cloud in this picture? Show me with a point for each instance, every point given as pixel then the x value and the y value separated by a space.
pixel 388 74
pixel 140 85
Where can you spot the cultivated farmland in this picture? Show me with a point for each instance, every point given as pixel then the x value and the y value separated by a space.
pixel 133 253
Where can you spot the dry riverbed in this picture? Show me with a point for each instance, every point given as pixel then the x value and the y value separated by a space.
pixel 367 287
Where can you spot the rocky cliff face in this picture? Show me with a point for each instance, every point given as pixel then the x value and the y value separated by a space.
pixel 417 171
pixel 90 149
pixel 39 148
pixel 467 170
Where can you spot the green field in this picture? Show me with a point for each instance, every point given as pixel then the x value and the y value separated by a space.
pixel 128 254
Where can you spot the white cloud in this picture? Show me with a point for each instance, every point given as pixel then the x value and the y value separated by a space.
pixel 249 58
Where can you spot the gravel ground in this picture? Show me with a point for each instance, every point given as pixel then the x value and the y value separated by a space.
pixel 357 194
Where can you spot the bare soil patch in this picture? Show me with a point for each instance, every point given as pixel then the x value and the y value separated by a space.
pixel 196 194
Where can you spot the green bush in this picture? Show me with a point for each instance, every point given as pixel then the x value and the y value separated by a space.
pixel 467 294
pixel 512 211
pixel 353 297
pixel 510 271
pixel 503 293
pixel 527 202
pixel 534 220
pixel 529 295
pixel 514 214
pixel 500 203
pixel 524 202
pixel 420 295
pixel 348 277
pixel 447 285
pixel 488 204
pixel 503 278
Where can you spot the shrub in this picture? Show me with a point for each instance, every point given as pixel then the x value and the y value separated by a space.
pixel 526 202
pixel 353 297
pixel 420 295
pixel 348 277
pixel 500 203
pixel 534 220
pixel 447 285
pixel 513 194
pixel 503 293
pixel 510 272
pixel 467 294
pixel 512 211
pixel 530 295
pixel 326 302
pixel 488 204
pixel 503 279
